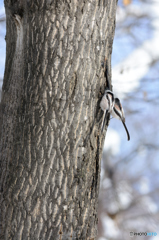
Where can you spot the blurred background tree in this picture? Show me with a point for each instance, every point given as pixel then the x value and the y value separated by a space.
pixel 130 171
pixel 129 193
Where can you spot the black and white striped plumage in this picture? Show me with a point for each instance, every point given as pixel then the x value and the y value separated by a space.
pixel 112 105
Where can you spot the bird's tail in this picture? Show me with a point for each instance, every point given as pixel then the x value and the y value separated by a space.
pixel 104 119
pixel 126 130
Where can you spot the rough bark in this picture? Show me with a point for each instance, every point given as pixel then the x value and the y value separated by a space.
pixel 51 142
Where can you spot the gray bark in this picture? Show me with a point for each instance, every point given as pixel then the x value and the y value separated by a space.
pixel 51 142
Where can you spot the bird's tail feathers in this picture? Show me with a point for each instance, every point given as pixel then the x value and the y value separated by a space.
pixel 104 119
pixel 126 130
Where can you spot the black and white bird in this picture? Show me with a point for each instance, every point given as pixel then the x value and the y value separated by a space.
pixel 107 104
pixel 112 105
pixel 118 112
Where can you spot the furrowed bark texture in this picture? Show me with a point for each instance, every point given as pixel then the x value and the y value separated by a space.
pixel 51 142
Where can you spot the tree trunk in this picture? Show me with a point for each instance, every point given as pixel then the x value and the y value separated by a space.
pixel 51 142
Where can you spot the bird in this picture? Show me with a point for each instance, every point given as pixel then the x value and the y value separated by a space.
pixel 118 112
pixel 106 105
